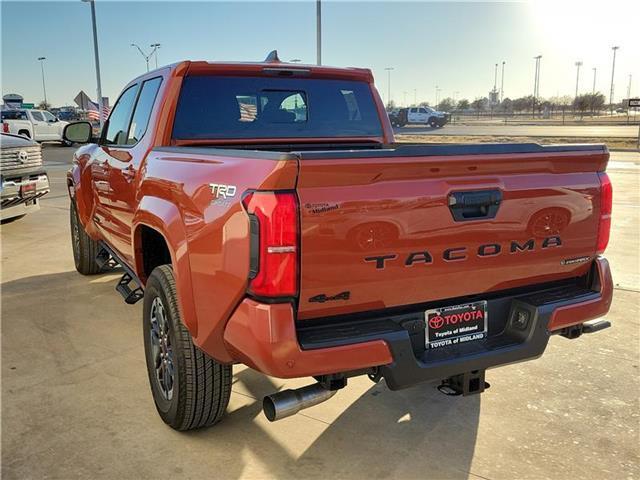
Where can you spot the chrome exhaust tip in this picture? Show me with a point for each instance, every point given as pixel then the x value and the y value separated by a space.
pixel 289 402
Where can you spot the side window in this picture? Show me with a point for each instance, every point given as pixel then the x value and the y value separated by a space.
pixel 37 116
pixel 414 110
pixel 423 110
pixel 143 109
pixel 48 116
pixel 116 133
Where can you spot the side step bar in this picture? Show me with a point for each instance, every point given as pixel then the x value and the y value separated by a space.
pixel 129 285
pixel 130 295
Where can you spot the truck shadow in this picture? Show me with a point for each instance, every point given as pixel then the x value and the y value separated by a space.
pixel 412 433
pixel 383 434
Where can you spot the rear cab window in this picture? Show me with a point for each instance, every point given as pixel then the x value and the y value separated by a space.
pixel 225 107
pixel 14 115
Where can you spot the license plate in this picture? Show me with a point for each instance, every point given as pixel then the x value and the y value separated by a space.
pixel 457 324
pixel 28 189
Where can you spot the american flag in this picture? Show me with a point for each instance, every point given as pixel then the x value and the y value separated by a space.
pixel 92 111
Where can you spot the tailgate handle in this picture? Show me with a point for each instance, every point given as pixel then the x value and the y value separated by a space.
pixel 474 205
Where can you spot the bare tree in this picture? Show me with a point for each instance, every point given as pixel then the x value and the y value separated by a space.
pixel 480 104
pixel 446 104
pixel 463 104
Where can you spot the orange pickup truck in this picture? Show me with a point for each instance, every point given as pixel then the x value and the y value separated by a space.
pixel 266 216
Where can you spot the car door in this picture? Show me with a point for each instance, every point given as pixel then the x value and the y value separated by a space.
pixel 53 126
pixel 109 195
pixel 411 116
pixel 123 152
pixel 40 127
pixel 423 116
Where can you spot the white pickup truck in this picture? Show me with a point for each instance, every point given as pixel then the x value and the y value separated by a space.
pixel 419 116
pixel 39 125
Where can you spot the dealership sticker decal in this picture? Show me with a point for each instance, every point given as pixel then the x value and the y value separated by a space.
pixel 457 324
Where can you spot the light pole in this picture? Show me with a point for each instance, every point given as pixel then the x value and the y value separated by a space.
pixel 437 96
pixel 388 69
pixel 145 56
pixel 318 32
pixel 578 65
pixel 155 47
pixel 593 90
pixel 404 98
pixel 628 107
pixel 415 96
pixel 536 83
pixel 502 83
pixel 97 59
pixel 613 71
pixel 44 87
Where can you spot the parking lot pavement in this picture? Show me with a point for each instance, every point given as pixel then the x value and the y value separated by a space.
pixel 76 403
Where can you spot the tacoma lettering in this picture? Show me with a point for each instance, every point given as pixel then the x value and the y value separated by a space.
pixel 460 253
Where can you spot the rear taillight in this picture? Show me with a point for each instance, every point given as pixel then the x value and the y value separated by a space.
pixel 273 244
pixel 5 127
pixel 606 203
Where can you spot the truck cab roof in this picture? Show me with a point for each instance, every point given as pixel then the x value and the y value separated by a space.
pixel 273 68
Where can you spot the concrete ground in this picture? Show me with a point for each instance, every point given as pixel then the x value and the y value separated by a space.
pixel 76 403
pixel 525 130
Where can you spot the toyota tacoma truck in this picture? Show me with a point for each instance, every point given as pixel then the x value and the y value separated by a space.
pixel 266 217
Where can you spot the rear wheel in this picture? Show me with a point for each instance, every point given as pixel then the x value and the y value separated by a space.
pixel 433 123
pixel 85 249
pixel 24 133
pixel 190 389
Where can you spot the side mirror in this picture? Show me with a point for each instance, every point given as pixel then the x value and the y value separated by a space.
pixel 77 132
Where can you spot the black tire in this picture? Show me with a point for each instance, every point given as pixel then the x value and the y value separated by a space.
pixel 433 122
pixel 191 390
pixel 24 133
pixel 85 249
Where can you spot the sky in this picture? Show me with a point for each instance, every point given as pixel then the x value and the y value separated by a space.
pixel 451 45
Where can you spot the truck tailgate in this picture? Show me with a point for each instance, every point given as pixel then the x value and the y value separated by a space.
pixel 410 225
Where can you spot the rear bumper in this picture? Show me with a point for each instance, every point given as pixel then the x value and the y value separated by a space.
pixel 265 337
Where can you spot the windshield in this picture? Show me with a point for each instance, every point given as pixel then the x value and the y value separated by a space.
pixel 213 107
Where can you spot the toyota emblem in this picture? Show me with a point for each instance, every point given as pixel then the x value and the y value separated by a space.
pixel 23 156
pixel 436 322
